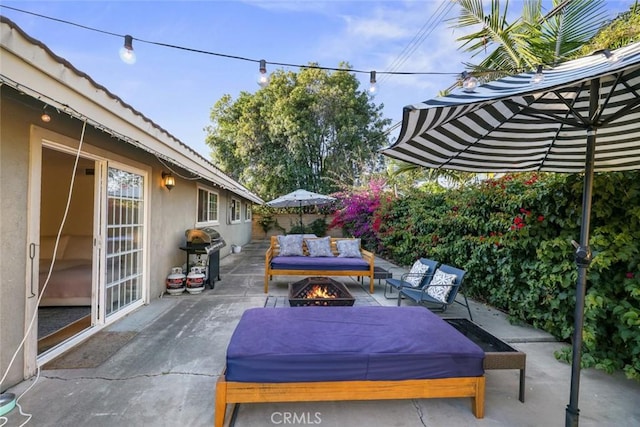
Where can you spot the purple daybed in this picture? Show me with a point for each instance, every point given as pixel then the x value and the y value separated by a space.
pixel 348 353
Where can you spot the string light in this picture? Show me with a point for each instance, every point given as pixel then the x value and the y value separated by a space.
pixel 241 58
pixel 126 52
pixel 469 83
pixel 611 57
pixel 372 82
pixel 263 78
pixel 538 77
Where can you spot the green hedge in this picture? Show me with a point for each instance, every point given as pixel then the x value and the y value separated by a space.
pixel 513 237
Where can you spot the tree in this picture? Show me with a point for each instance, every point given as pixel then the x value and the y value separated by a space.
pixel 313 129
pixel 533 39
pixel 620 32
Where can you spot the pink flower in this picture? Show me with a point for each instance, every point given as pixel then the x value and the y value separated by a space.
pixel 630 275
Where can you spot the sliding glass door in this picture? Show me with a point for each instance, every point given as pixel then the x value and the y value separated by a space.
pixel 124 263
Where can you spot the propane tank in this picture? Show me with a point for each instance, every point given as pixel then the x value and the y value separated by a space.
pixel 175 281
pixel 195 280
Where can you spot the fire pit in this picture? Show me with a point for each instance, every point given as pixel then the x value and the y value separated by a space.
pixel 321 291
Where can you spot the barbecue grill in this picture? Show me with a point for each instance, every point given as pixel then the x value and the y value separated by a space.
pixel 205 240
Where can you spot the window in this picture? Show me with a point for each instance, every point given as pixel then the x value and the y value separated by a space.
pixel 247 212
pixel 207 206
pixel 235 210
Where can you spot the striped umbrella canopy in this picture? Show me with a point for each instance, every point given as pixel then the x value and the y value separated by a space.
pixel 581 116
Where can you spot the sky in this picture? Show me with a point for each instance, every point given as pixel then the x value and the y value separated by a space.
pixel 177 88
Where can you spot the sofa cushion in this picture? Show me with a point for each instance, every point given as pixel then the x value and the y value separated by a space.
pixel 291 245
pixel 318 263
pixel 349 248
pixel 320 247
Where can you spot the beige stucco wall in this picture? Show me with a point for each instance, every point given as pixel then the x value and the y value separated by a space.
pixel 170 213
pixel 14 160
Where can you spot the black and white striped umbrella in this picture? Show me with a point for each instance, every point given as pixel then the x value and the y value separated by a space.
pixel 513 124
pixel 584 116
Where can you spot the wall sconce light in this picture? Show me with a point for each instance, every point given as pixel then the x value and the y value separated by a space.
pixel 127 54
pixel 168 180
pixel 45 117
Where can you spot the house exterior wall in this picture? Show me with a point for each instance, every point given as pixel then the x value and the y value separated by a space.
pixel 170 214
pixel 14 161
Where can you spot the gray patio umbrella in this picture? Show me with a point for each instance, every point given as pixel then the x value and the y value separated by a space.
pixel 516 124
pixel 300 198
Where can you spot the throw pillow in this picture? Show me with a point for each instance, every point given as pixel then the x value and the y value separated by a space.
pixel 416 274
pixel 443 283
pixel 349 248
pixel 291 245
pixel 319 247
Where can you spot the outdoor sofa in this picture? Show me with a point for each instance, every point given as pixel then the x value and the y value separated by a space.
pixel 307 255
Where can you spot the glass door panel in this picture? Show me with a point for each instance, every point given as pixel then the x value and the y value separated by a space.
pixel 124 245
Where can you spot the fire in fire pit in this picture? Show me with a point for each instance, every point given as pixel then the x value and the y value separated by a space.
pixel 321 291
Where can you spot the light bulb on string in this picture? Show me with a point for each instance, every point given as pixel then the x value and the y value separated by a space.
pixel 127 54
pixel 538 77
pixel 469 83
pixel 263 77
pixel 373 86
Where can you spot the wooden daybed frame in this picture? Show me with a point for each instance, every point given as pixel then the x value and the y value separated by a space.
pixel 274 250
pixel 244 392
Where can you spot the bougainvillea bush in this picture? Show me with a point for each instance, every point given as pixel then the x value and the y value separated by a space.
pixel 514 235
pixel 355 213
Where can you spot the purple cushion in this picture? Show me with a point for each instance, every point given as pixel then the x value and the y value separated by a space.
pixel 348 343
pixel 318 263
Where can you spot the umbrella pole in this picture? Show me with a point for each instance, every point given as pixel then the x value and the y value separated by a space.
pixel 583 259
pixel 301 226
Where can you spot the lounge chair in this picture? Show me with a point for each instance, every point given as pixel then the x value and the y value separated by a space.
pixel 416 278
pixel 424 295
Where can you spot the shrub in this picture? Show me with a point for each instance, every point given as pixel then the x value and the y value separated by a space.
pixel 513 237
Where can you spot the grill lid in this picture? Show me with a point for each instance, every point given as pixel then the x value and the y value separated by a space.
pixel 200 236
pixel 196 236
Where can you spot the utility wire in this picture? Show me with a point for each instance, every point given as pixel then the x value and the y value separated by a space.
pixel 419 38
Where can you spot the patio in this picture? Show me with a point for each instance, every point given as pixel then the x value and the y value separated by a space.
pixel 166 373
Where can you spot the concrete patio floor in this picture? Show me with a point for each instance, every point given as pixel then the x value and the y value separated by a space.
pixel 166 374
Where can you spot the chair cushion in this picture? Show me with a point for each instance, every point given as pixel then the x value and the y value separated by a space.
pixel 320 247
pixel 441 285
pixel 349 248
pixel 416 274
pixel 291 245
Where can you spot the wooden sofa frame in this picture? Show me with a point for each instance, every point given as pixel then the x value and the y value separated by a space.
pixel 274 250
pixel 243 392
